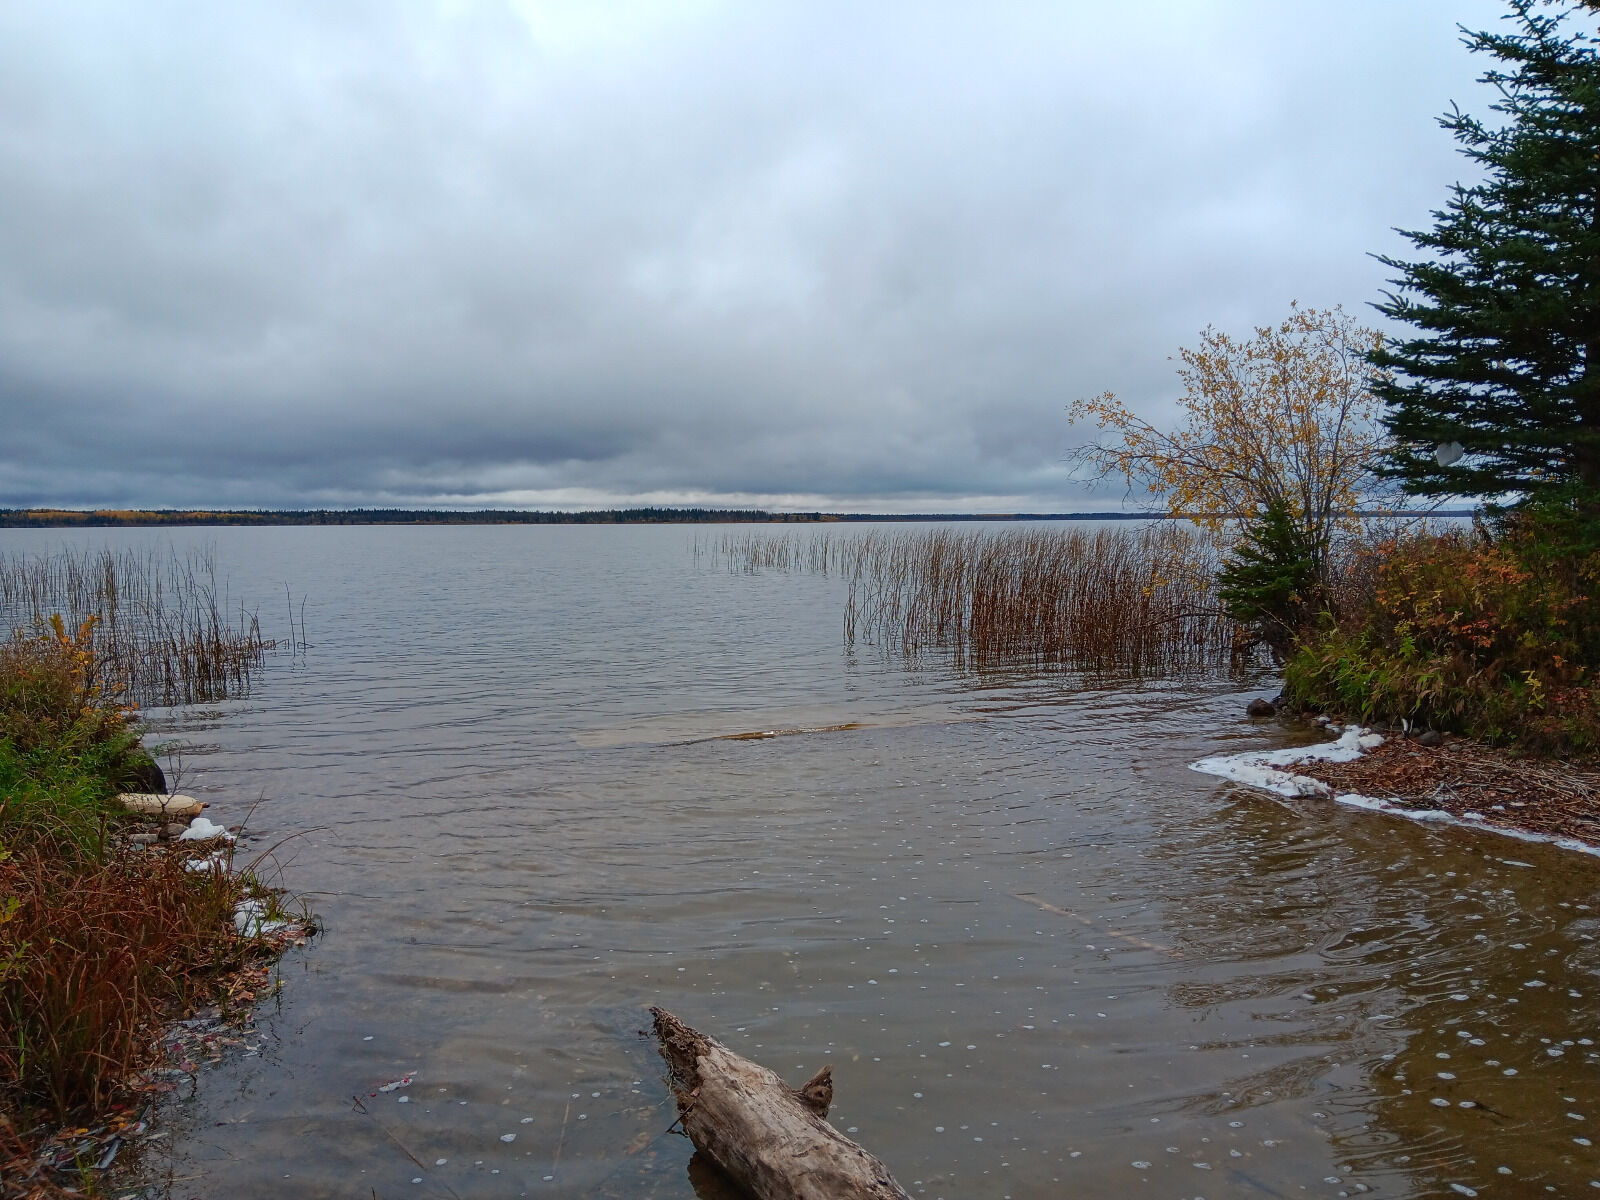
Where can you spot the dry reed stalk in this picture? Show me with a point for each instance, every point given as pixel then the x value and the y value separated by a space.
pixel 161 635
pixel 1099 600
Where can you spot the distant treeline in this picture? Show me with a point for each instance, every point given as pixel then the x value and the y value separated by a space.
pixel 56 518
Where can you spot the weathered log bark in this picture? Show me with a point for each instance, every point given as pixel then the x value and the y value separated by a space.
pixel 771 1138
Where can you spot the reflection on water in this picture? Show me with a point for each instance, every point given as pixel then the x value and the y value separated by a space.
pixel 1433 998
pixel 1043 957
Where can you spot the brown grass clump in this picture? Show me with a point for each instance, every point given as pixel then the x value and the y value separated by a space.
pixel 102 940
pixel 99 939
pixel 92 956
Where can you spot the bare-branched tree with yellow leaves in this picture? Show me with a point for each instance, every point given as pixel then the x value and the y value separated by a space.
pixel 1287 417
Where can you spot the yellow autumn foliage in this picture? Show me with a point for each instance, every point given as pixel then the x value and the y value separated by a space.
pixel 1288 415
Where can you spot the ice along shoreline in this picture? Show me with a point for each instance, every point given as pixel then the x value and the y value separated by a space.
pixel 1269 771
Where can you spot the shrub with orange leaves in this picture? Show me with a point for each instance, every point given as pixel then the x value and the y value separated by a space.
pixel 1488 634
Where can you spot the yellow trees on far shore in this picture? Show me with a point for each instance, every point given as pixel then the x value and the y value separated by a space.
pixel 1285 417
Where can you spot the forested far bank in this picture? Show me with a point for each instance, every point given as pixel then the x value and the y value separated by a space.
pixel 68 518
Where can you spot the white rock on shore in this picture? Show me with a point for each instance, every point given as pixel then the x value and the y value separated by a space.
pixel 156 804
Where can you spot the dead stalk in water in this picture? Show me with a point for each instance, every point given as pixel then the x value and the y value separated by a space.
pixel 1095 600
pixel 160 633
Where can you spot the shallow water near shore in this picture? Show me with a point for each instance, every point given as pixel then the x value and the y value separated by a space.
pixel 1043 956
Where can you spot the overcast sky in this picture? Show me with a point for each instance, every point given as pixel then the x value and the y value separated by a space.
pixel 809 255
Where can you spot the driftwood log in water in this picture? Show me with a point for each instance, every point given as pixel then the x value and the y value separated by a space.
pixel 771 1138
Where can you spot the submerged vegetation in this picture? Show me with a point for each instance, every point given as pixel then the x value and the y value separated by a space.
pixel 157 626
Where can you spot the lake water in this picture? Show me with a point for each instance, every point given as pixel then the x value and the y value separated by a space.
pixel 1043 957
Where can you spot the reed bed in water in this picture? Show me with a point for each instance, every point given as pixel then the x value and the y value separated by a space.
pixel 160 631
pixel 1094 600
pixel 753 550
pixel 1101 600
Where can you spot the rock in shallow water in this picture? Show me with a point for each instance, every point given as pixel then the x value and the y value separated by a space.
pixel 1261 708
pixel 138 772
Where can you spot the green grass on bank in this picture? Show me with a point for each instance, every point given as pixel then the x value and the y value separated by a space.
pixel 64 747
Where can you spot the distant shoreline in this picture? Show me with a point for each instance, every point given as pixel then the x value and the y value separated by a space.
pixel 107 518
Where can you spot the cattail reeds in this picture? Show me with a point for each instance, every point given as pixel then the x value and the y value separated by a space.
pixel 160 635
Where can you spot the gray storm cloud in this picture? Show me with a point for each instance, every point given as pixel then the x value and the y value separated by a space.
pixel 802 255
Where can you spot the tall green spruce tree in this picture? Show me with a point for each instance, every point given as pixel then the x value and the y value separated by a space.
pixel 1506 302
pixel 1272 581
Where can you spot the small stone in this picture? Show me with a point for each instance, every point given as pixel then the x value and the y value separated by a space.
pixel 172 831
pixel 1261 708
pixel 1430 738
pixel 144 839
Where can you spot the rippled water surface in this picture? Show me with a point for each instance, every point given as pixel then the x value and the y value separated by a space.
pixel 1043 957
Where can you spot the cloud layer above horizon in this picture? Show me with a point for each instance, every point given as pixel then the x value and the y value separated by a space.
pixel 791 255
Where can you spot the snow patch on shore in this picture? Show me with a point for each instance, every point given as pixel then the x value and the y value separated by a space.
pixel 1265 769
pixel 251 920
pixel 202 830
pixel 1467 820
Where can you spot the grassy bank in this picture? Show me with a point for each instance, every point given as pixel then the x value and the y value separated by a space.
pixel 106 930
